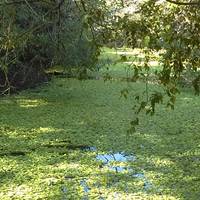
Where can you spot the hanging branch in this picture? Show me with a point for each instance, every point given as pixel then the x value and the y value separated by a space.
pixel 83 5
pixel 32 10
pixel 23 2
pixel 184 3
pixel 59 22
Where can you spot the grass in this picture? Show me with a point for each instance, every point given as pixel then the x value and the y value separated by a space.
pixel 43 131
pixel 113 64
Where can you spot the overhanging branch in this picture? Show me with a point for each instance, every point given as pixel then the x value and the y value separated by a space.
pixel 22 1
pixel 184 3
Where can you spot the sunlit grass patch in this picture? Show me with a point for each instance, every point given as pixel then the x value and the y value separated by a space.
pixel 30 103
pixel 119 64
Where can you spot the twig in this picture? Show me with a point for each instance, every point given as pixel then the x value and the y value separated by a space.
pixel 184 3
pixel 22 1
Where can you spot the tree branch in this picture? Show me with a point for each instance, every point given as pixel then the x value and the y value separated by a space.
pixel 184 3
pixel 21 2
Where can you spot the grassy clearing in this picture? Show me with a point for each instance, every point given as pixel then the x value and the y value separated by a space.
pixel 43 132
pixel 114 65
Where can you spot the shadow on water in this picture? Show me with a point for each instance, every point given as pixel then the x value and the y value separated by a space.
pixel 13 153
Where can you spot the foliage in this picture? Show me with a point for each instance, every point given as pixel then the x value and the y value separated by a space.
pixel 172 30
pixel 36 35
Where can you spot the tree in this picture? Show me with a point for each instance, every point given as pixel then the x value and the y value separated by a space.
pixel 172 29
pixel 36 35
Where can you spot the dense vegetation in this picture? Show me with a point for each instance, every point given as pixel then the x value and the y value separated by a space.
pixel 78 136
pixel 36 35
pixel 40 34
pixel 45 143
